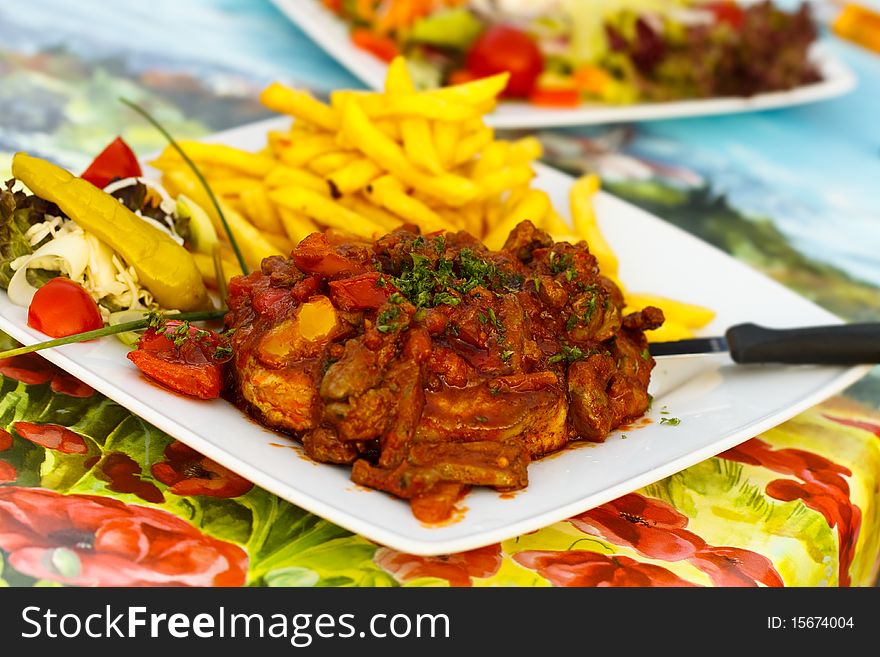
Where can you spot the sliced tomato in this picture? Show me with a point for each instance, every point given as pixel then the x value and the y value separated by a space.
pixel 503 48
pixel 368 290
pixel 382 47
pixel 115 161
pixel 62 307
pixel 555 97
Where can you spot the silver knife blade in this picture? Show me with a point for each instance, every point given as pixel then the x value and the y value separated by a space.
pixel 692 347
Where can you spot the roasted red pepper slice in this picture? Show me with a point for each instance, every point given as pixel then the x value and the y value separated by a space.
pixel 368 290
pixel 115 161
pixel 182 359
pixel 203 381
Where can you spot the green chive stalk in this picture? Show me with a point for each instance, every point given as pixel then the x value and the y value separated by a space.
pixel 135 325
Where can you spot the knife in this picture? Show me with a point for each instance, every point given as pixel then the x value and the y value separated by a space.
pixel 841 344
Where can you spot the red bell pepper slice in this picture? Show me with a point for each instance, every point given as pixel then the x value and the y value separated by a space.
pixel 361 292
pixel 115 161
pixel 381 46
pixel 202 381
pixel 188 368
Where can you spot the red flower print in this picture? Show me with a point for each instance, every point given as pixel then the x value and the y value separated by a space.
pixel 822 488
pixel 7 472
pixel 69 385
pixel 52 436
pixel 187 472
pixel 729 566
pixel 656 529
pixel 871 427
pixel 32 369
pixel 85 540
pixel 457 569
pixel 585 568
pixel 5 440
pixel 122 474
pixel 651 527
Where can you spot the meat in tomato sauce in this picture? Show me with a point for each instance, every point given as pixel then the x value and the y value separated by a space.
pixel 431 364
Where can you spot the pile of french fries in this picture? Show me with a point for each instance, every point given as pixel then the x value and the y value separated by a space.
pixel 369 161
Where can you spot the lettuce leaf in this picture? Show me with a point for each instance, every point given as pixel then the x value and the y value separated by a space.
pixel 18 212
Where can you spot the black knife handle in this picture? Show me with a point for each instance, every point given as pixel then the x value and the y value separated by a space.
pixel 843 344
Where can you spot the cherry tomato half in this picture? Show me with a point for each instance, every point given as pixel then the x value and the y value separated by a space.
pixel 62 307
pixel 728 12
pixel 115 161
pixel 503 48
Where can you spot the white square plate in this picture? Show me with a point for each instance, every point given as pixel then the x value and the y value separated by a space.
pixel 720 404
pixel 332 35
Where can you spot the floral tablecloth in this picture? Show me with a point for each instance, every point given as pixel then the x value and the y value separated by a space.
pixel 93 495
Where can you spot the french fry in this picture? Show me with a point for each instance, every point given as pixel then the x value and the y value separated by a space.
pixel 446 138
pixel 554 223
pixel 261 210
pixel 253 245
pixel 324 210
pixel 418 143
pixel 397 79
pixel 387 193
pixel 234 186
pixel 533 206
pixel 525 151
pixel 236 159
pixel 470 145
pixel 353 177
pixel 477 92
pixel 297 226
pixel 689 315
pixel 282 176
pixel 330 162
pixel 514 176
pixel 305 149
pixel 416 105
pixel 205 263
pixel 583 217
pixel 281 242
pixel 366 208
pixel 299 104
pixel 358 130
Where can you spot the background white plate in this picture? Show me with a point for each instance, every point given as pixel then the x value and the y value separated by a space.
pixel 332 35
pixel 720 404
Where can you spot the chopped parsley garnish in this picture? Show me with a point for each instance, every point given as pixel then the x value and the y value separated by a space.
pixel 646 354
pixel 671 421
pixel 506 355
pixel 481 418
pixel 571 322
pixel 568 354
pixel 560 263
pixel 431 282
pixel 396 298
pixel 385 321
pixel 222 352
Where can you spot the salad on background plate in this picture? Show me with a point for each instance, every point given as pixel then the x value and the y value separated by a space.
pixel 562 53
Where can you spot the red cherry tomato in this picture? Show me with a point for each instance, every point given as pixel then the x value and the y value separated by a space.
pixel 503 48
pixel 728 12
pixel 115 161
pixel 62 307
